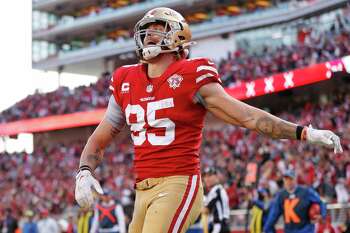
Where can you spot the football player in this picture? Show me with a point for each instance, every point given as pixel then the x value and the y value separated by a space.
pixel 163 100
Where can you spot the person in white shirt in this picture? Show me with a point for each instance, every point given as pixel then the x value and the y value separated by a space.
pixel 47 224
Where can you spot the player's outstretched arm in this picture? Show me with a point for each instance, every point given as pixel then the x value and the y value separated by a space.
pixel 233 111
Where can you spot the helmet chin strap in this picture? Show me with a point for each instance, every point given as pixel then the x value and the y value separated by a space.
pixel 153 51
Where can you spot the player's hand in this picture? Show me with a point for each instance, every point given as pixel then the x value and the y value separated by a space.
pixel 85 186
pixel 323 137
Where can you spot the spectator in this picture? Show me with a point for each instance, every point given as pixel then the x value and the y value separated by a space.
pixel 47 224
pixel 325 226
pixel 293 201
pixel 108 216
pixel 10 223
pixel 30 226
pixel 260 211
pixel 241 66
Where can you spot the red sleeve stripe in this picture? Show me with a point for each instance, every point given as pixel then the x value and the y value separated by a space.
pixel 209 68
pixel 111 88
pixel 186 205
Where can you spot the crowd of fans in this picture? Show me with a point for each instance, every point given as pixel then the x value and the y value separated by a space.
pixel 312 47
pixel 61 101
pixel 42 182
pixel 231 149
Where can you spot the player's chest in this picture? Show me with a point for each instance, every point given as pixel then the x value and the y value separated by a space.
pixel 147 101
pixel 174 90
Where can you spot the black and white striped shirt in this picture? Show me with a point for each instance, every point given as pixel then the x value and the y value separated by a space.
pixel 218 204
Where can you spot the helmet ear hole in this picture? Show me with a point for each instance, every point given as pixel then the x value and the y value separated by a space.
pixel 181 26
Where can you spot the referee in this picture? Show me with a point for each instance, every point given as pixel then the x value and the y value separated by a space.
pixel 216 202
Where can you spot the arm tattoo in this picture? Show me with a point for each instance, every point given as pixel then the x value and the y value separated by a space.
pixel 275 128
pixel 92 160
pixel 114 132
pixel 249 116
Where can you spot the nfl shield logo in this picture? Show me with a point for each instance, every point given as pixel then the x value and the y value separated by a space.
pixel 149 88
pixel 174 81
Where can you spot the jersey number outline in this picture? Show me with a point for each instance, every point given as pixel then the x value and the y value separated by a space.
pixel 166 123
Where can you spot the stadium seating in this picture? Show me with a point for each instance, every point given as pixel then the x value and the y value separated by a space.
pixel 240 66
pixel 43 182
pixel 315 47
pixel 45 178
pixel 214 12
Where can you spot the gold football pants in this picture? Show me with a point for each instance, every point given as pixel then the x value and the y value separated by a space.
pixel 167 204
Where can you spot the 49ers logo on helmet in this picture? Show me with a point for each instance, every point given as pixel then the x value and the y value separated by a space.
pixel 174 81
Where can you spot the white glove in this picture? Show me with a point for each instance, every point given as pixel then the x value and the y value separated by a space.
pixel 85 186
pixel 323 137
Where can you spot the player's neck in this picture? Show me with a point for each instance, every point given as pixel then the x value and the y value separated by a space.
pixel 158 66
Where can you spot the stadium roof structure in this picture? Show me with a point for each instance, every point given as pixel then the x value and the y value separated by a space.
pixel 91 60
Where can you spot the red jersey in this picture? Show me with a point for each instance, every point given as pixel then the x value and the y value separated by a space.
pixel 165 121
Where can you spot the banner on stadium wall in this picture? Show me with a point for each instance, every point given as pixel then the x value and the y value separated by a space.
pixel 272 84
pixel 288 80
pixel 49 123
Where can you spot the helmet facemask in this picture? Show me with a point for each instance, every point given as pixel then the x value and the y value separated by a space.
pixel 167 38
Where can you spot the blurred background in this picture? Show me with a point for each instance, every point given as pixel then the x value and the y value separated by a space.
pixel 289 57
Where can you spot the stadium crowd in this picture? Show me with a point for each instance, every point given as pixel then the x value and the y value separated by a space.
pixel 39 185
pixel 312 47
pixel 241 65
pixel 42 182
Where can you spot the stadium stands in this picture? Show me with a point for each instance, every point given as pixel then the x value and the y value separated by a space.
pixel 44 179
pixel 115 32
pixel 240 66
pixel 314 47
pixel 221 8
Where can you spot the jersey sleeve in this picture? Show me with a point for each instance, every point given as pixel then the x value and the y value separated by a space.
pixel 114 114
pixel 204 72
pixel 115 84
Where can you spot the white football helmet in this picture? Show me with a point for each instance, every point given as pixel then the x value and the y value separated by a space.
pixel 176 36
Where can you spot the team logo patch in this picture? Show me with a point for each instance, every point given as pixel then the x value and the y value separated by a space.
pixel 174 81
